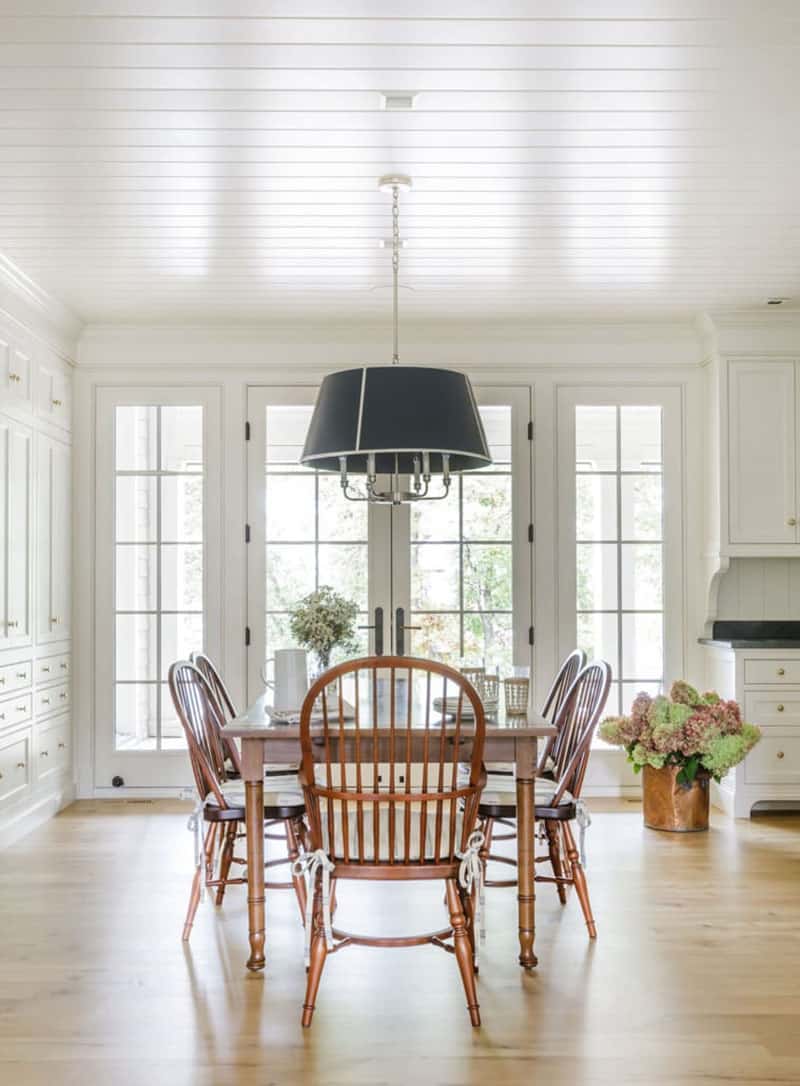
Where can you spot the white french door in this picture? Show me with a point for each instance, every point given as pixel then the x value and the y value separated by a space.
pixel 157 589
pixel 449 579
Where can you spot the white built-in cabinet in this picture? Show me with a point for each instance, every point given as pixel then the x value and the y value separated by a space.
pixel 760 504
pixel 36 744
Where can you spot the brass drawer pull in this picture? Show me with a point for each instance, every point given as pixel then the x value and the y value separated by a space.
pixel 780 754
pixel 15 377
pixel 63 667
pixel 12 625
pixel 22 708
pixel 63 695
pixel 22 674
pixel 45 701
pixel 781 671
pixel 55 620
pixel 779 708
pixel 46 669
pixel 42 753
pixel 20 765
pixel 56 403
pixel 61 746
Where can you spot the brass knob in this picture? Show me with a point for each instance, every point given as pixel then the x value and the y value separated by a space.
pixel 42 753
pixel 780 754
pixel 46 669
pixel 781 671
pixel 20 765
pixel 15 377
pixel 55 620
pixel 56 403
pixel 791 521
pixel 12 625
pixel 779 708
pixel 22 674
pixel 22 708
pixel 61 746
pixel 46 701
pixel 63 667
pixel 63 695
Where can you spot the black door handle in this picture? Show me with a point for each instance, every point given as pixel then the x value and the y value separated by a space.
pixel 377 626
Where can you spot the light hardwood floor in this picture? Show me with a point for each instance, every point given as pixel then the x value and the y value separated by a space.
pixel 695 977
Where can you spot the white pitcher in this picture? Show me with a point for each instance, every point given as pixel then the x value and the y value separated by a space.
pixel 290 682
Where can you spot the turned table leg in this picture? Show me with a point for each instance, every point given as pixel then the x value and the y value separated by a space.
pixel 526 887
pixel 253 773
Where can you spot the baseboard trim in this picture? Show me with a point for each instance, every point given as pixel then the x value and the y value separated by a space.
pixel 30 818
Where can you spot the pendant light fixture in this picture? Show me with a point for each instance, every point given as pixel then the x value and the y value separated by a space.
pixel 397 422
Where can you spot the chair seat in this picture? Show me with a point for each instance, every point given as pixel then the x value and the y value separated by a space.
pixel 282 798
pixel 499 799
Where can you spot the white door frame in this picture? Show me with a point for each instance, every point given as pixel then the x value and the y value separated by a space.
pixel 148 769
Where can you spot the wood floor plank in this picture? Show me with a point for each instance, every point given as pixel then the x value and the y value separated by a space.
pixel 693 979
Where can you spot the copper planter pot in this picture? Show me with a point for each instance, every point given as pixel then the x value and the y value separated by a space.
pixel 668 805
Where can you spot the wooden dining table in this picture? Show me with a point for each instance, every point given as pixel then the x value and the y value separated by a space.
pixel 267 741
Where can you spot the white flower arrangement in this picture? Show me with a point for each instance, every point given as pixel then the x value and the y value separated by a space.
pixel 323 620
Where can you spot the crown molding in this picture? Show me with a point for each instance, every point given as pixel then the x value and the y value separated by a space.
pixel 751 332
pixel 23 301
pixel 503 345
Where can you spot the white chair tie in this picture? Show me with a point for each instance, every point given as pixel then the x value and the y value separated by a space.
pixel 308 865
pixel 584 820
pixel 470 874
pixel 194 826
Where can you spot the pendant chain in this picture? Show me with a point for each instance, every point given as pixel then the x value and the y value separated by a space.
pixel 395 269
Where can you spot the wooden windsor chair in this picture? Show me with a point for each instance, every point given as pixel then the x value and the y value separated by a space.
pixel 384 800
pixel 558 797
pixel 570 667
pixel 221 803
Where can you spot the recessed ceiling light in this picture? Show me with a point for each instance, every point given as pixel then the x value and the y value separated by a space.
pixel 397 100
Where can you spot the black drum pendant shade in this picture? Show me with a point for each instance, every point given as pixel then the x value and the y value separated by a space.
pixel 396 419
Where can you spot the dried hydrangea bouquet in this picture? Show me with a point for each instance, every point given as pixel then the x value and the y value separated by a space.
pixel 681 742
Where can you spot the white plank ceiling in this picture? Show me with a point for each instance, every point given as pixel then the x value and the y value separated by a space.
pixel 217 159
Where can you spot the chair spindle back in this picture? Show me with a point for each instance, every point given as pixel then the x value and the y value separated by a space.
pixel 382 783
pixel 199 713
pixel 577 720
pixel 206 666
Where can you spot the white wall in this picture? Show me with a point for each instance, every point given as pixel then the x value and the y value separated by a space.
pixel 760 588
pixel 544 357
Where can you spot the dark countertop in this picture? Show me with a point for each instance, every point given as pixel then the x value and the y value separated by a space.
pixel 754 643
pixel 747 634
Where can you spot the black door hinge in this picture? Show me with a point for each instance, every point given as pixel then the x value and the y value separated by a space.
pixel 530 431
pixel 247 431
pixel 247 636
pixel 247 533
pixel 530 635
pixel 530 533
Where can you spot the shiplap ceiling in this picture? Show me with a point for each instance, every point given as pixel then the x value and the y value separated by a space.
pixel 168 160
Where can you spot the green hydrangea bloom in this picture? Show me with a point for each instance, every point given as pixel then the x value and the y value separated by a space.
pixel 610 730
pixel 726 751
pixel 711 698
pixel 658 716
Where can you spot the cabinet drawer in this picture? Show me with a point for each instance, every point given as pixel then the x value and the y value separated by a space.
pixel 52 669
pixel 772 707
pixel 760 672
pixel 54 699
pixel 15 677
pixel 15 710
pixel 15 764
pixel 775 759
pixel 53 743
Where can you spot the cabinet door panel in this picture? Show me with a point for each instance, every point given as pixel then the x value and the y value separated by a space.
pixel 16 468
pixel 761 444
pixel 53 552
pixel 20 535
